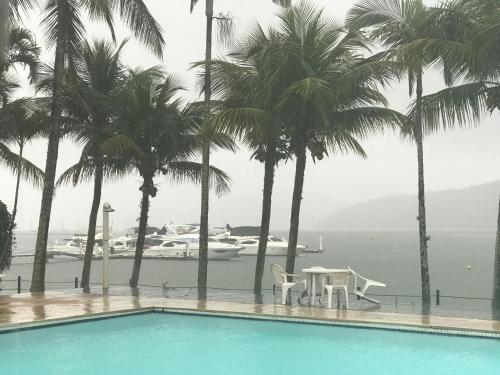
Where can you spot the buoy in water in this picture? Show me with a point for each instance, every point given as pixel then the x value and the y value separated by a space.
pixel 469 267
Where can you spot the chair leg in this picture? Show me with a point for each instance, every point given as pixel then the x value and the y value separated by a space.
pixel 284 293
pixel 346 297
pixel 330 294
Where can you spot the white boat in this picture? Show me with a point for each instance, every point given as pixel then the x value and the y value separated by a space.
pixel 72 247
pixel 275 246
pixel 187 247
pixel 248 237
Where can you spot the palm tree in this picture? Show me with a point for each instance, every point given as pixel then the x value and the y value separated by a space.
pixel 23 120
pixel 153 136
pixel 10 14
pixel 247 111
pixel 20 122
pixel 21 50
pixel 64 30
pixel 99 78
pixel 205 182
pixel 468 47
pixel 329 94
pixel 395 24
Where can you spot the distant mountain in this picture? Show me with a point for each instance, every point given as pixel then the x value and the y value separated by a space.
pixel 472 208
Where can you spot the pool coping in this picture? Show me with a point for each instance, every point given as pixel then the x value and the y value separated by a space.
pixel 451 326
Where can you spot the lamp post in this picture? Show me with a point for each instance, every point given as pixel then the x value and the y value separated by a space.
pixel 106 209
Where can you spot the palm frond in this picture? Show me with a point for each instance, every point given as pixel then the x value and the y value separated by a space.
pixel 139 19
pixel 455 106
pixel 84 170
pixel 186 171
pixel 13 162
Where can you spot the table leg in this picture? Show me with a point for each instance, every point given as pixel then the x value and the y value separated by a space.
pixel 309 283
pixel 313 302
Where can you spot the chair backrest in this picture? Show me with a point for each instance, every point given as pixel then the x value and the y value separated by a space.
pixel 338 279
pixel 279 274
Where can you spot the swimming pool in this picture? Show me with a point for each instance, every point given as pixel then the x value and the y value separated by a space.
pixel 164 343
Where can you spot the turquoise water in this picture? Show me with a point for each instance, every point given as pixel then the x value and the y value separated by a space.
pixel 181 344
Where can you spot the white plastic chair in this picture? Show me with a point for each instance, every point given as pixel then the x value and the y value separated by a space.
pixel 358 279
pixel 336 280
pixel 281 281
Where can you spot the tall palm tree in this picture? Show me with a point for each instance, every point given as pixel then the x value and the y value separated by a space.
pixel 153 136
pixel 65 29
pixel 205 182
pixel 20 121
pixel 23 120
pixel 329 94
pixel 99 77
pixel 247 111
pixel 468 47
pixel 395 24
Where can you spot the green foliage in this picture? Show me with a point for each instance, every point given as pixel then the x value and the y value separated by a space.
pixel 467 48
pixel 7 239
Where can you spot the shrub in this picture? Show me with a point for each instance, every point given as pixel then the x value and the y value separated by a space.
pixel 6 237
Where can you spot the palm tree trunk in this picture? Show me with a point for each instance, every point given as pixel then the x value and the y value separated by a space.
pixel 424 261
pixel 205 177
pixel 264 223
pixel 141 235
pixel 18 183
pixel 94 211
pixel 300 168
pixel 496 277
pixel 38 276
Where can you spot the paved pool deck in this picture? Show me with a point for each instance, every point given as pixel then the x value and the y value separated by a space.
pixel 27 310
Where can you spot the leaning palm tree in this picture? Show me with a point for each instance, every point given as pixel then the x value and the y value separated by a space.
pixel 329 94
pixel 99 77
pixel 395 24
pixel 152 136
pixel 224 24
pixel 246 110
pixel 64 29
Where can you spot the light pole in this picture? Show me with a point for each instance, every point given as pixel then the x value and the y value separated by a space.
pixel 106 209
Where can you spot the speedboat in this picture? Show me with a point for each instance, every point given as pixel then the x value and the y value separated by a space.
pixel 187 247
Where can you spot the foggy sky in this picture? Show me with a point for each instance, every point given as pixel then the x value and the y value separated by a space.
pixel 454 159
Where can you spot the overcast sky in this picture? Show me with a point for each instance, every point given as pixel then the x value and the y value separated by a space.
pixel 454 159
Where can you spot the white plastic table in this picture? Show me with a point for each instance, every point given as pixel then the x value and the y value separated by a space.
pixel 313 275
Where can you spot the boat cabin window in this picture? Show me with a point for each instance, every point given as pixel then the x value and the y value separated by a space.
pixel 154 242
pixel 249 242
pixel 179 242
pixel 168 244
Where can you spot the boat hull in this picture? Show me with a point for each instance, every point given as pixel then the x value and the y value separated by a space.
pixel 270 251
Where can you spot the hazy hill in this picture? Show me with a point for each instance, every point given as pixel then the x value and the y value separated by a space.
pixel 473 208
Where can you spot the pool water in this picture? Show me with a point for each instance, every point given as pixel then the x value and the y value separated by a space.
pixel 160 343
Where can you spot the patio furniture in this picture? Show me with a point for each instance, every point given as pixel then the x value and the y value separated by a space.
pixel 281 281
pixel 313 275
pixel 358 279
pixel 337 280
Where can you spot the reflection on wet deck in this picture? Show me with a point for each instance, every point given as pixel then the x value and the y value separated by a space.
pixel 25 309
